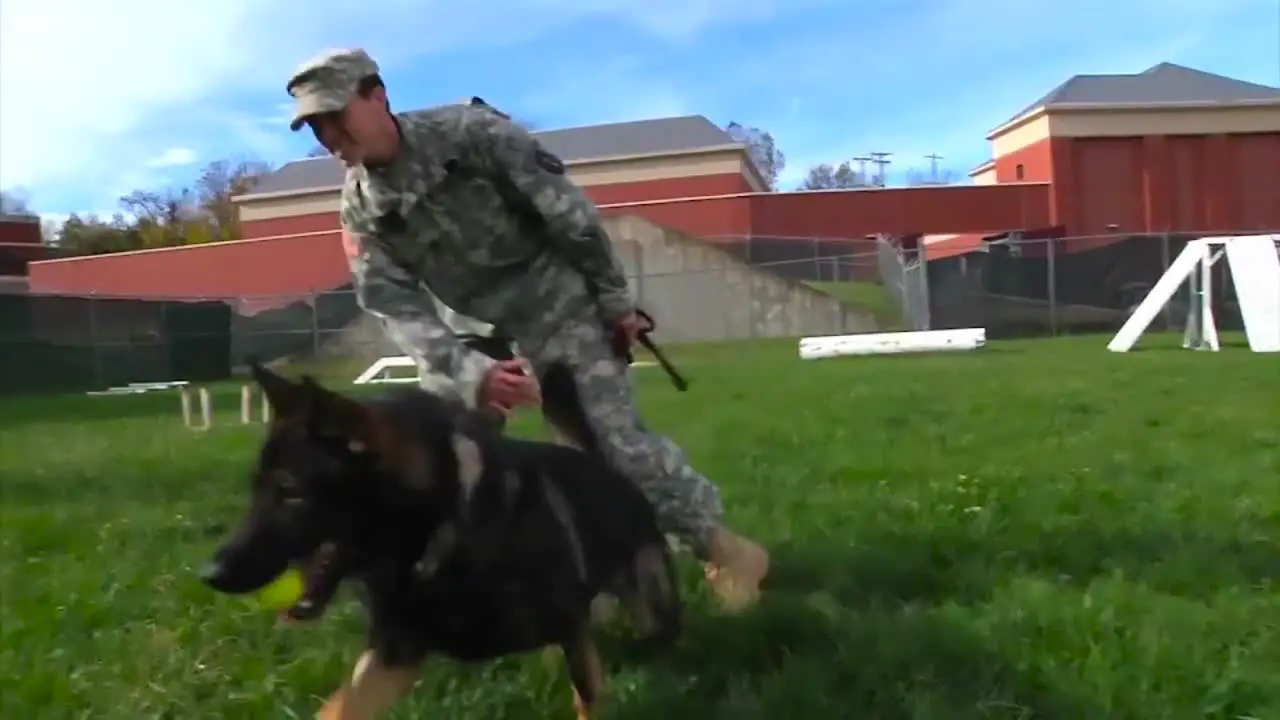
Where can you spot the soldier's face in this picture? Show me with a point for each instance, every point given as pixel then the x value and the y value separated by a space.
pixel 360 134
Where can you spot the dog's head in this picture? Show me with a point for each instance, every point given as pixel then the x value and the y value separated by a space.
pixel 329 473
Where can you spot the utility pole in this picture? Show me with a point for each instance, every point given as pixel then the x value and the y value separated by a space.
pixel 862 161
pixel 933 159
pixel 881 159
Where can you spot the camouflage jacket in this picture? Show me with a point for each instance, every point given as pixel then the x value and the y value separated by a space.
pixel 478 214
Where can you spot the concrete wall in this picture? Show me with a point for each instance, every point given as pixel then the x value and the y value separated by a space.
pixel 696 292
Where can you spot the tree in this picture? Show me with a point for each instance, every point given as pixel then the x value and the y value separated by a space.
pixel 833 177
pixel 161 218
pixel 219 182
pixel 91 236
pixel 202 213
pixel 50 230
pixel 917 178
pixel 764 152
pixel 11 203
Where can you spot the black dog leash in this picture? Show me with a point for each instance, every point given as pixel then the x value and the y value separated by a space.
pixel 499 347
pixel 645 339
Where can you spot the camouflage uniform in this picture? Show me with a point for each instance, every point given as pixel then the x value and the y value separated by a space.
pixel 441 217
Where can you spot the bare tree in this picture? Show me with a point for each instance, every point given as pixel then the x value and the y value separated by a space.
pixel 219 182
pixel 13 203
pixel 833 177
pixel 918 178
pixel 764 152
pixel 92 236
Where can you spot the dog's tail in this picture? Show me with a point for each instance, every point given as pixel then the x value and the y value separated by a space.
pixel 652 593
pixel 563 411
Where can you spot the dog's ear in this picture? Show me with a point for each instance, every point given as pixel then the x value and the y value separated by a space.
pixel 285 396
pixel 365 431
pixel 335 417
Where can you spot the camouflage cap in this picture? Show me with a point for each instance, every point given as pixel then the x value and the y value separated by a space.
pixel 326 82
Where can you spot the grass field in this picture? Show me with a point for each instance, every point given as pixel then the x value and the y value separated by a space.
pixel 1037 530
pixel 870 297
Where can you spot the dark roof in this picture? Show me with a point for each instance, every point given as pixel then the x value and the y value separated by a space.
pixel 1161 84
pixel 639 137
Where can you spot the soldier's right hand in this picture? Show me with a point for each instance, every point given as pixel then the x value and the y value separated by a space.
pixel 507 386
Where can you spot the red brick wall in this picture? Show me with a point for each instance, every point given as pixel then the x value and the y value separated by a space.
pixel 1036 160
pixel 667 189
pixel 305 254
pixel 1154 184
pixel 281 266
pixel 19 230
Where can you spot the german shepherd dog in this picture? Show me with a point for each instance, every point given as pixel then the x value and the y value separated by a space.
pixel 532 533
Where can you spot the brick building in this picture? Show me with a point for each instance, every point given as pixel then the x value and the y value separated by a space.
pixel 1168 149
pixel 21 243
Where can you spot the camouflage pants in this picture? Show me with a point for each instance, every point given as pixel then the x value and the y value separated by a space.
pixel 688 504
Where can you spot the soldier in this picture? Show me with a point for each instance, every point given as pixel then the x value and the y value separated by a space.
pixel 463 201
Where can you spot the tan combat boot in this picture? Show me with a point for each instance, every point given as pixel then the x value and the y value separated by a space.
pixel 735 568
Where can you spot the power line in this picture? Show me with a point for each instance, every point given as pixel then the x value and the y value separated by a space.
pixel 862 161
pixel 933 159
pixel 881 160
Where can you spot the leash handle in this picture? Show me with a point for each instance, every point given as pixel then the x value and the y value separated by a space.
pixel 678 380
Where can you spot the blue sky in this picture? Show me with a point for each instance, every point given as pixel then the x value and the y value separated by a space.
pixel 97 99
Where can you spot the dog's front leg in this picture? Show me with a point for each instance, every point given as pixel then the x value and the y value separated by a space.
pixel 585 671
pixel 373 688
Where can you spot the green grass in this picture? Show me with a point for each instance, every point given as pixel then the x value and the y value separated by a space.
pixel 1037 530
pixel 871 297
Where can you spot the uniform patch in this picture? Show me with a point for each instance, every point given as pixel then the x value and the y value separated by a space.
pixel 549 162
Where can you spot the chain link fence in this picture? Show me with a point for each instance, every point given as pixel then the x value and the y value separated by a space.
pixel 1014 286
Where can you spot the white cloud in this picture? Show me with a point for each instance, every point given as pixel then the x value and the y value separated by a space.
pixel 173 157
pixel 77 77
pixel 949 86
pixel 95 95
pixel 620 89
pixel 90 91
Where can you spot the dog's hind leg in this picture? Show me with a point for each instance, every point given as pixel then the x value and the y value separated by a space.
pixel 373 688
pixel 585 671
pixel 651 593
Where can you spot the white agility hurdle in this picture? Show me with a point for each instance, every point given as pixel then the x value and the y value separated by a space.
pixel 137 388
pixel 829 346
pixel 1255 272
pixel 378 371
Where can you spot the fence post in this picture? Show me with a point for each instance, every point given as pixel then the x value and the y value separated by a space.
pixel 1052 256
pixel 922 257
pixel 725 323
pixel 1165 312
pixel 166 337
pixel 315 324
pixel 98 379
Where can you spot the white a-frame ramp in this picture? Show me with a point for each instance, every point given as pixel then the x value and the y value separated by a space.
pixel 1255 272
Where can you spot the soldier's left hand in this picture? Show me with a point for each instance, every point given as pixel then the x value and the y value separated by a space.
pixel 630 328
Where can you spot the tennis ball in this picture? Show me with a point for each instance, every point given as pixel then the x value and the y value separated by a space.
pixel 282 593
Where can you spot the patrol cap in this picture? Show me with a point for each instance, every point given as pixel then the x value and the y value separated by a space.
pixel 327 82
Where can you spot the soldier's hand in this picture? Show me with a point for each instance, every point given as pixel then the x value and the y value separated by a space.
pixel 630 327
pixel 624 334
pixel 506 387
